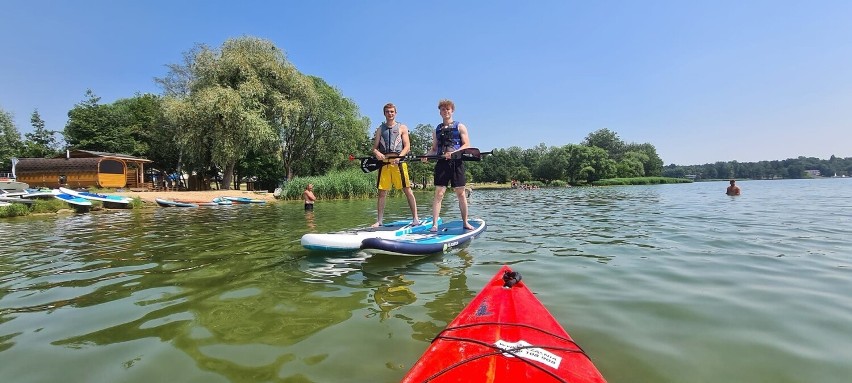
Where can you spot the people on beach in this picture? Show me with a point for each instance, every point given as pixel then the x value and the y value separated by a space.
pixel 309 197
pixel 733 189
pixel 391 142
pixel 449 136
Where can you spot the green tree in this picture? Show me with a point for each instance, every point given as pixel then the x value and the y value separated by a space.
pixel 552 165
pixel 608 141
pixel 421 138
pixel 631 165
pixel 652 164
pixel 708 171
pixel 180 78
pixel 588 163
pixel 10 140
pixel 105 128
pixel 325 134
pixel 724 170
pixel 532 160
pixel 796 171
pixel 504 165
pixel 421 142
pixel 244 97
pixel 40 143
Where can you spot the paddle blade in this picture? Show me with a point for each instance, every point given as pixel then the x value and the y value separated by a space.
pixel 469 154
pixel 370 165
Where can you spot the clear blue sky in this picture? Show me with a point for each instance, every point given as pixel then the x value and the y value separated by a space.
pixel 703 81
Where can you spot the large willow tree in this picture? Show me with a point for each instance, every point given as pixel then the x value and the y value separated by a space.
pixel 240 97
pixel 329 128
pixel 245 107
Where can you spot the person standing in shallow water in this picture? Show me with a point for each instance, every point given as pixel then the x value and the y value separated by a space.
pixel 449 137
pixel 309 197
pixel 391 140
pixel 733 189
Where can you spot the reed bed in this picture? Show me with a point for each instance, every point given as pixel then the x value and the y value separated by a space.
pixel 344 184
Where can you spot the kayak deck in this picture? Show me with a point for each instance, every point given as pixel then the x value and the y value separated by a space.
pixel 504 334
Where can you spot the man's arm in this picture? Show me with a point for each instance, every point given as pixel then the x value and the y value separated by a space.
pixel 406 142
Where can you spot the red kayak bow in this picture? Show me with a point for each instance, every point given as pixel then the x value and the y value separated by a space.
pixel 504 335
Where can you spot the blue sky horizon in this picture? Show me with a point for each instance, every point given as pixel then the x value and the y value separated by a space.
pixel 701 81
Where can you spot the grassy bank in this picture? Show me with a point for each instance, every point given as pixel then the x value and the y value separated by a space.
pixel 52 206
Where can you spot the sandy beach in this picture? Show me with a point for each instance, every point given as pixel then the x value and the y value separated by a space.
pixel 195 196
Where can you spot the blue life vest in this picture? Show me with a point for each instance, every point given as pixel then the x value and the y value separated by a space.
pixel 449 139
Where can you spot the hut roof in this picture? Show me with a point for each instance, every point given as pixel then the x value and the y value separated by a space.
pixel 58 164
pixel 79 153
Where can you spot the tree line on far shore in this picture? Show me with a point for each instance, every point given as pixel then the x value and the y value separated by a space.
pixel 244 112
pixel 795 168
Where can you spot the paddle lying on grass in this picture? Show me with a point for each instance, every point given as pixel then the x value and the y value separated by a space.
pixel 371 164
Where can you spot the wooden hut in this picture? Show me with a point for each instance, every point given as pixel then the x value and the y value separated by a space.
pixel 82 169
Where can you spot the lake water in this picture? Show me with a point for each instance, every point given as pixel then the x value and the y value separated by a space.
pixel 669 283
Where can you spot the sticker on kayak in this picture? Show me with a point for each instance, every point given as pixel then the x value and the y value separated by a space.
pixel 535 353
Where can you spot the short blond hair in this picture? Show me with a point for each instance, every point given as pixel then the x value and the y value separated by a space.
pixel 446 103
pixel 387 106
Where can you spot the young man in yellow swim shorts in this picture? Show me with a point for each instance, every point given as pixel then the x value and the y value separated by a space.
pixel 389 143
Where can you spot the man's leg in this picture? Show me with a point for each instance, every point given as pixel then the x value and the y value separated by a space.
pixel 380 207
pixel 436 206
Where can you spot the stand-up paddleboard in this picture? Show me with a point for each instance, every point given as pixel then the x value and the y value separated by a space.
pixel 449 235
pixel 222 201
pixel 4 198
pixel 73 200
pixel 40 193
pixel 218 201
pixel 350 240
pixel 170 203
pixel 97 197
pixel 504 335
pixel 243 200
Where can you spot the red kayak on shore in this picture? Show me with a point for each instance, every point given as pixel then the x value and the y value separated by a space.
pixel 505 334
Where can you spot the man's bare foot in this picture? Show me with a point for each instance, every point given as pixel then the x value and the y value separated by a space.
pixel 467 226
pixel 377 224
pixel 415 222
pixel 434 229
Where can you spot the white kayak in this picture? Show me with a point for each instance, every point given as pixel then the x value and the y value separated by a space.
pixel 350 240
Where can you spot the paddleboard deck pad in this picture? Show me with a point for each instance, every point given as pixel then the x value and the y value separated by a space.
pixel 73 200
pixel 97 197
pixel 450 235
pixel 350 240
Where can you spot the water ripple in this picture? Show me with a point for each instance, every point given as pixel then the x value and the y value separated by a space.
pixel 658 283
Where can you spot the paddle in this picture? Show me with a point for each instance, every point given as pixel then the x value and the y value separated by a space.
pixel 371 164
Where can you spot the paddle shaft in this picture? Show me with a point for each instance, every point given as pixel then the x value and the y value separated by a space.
pixel 371 164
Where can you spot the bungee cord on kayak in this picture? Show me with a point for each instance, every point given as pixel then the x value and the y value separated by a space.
pixel 504 335
pixel 511 351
